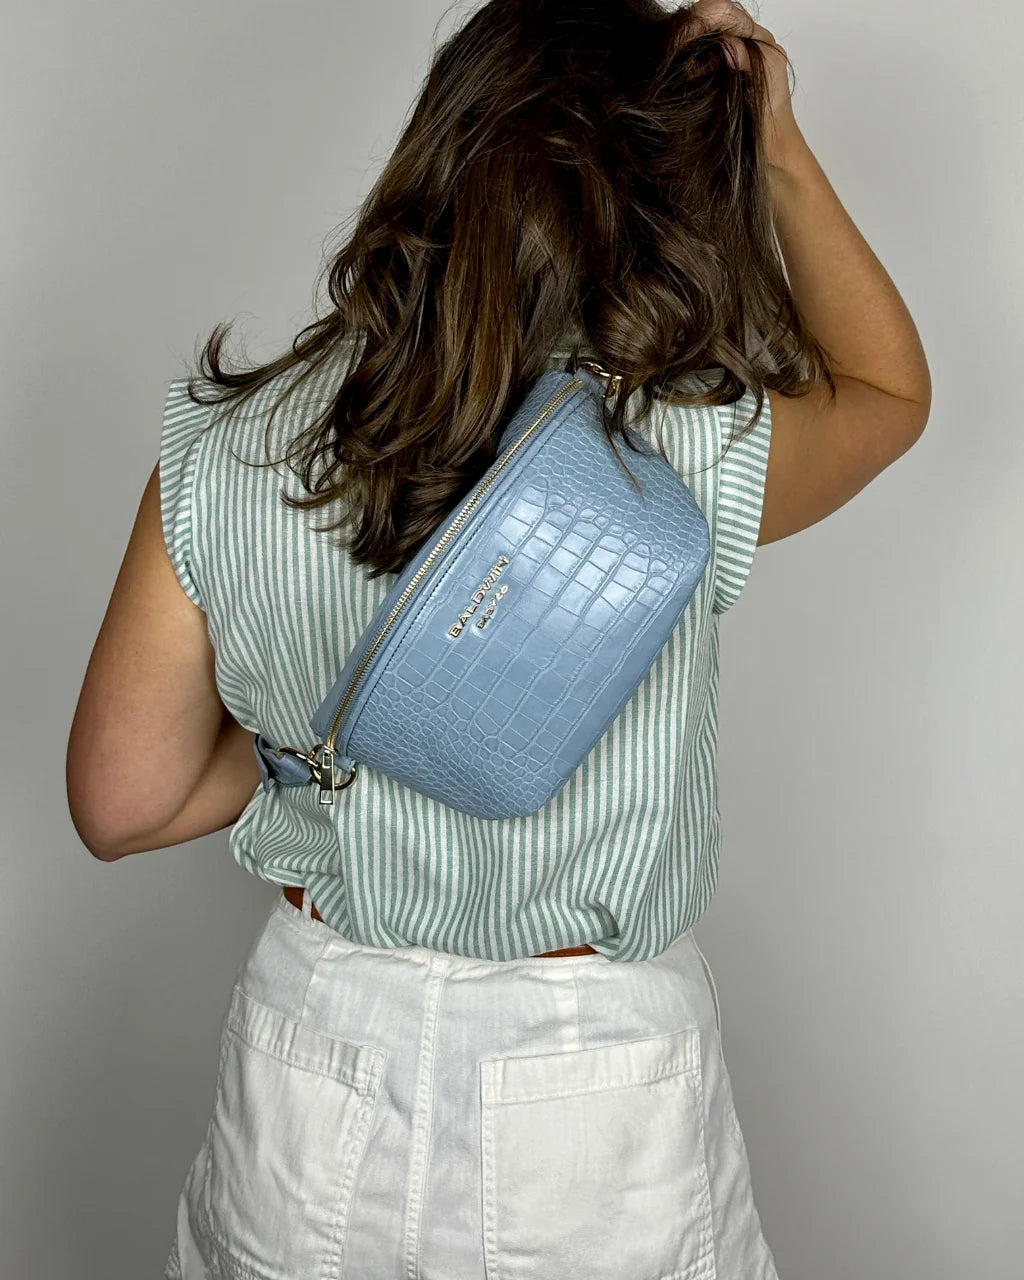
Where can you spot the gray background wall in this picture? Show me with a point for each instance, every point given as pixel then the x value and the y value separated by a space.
pixel 168 165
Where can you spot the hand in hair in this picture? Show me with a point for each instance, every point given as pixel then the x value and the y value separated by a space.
pixel 728 15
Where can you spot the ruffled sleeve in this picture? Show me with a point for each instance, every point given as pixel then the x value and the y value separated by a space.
pixel 741 477
pixel 179 449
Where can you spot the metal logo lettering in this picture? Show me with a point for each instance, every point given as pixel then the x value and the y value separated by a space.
pixel 479 595
pixel 486 615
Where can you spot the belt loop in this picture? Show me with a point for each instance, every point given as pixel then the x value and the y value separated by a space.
pixel 307 904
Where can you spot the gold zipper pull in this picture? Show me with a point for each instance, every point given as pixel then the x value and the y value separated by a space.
pixel 321 766
pixel 324 762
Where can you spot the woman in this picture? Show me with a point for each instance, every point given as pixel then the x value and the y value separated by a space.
pixel 463 1048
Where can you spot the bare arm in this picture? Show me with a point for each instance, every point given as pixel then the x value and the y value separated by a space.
pixel 843 292
pixel 823 452
pixel 227 784
pixel 154 758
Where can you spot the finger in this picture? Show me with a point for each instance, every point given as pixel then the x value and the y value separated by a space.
pixel 724 14
pixel 730 16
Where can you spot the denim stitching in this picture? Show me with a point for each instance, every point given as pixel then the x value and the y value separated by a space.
pixel 422 1131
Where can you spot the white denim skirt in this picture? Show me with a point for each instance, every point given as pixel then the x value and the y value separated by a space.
pixel 405 1114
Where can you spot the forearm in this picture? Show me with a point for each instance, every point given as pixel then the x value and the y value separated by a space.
pixel 842 291
pixel 225 788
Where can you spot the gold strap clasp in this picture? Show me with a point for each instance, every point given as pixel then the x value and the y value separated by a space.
pixel 613 381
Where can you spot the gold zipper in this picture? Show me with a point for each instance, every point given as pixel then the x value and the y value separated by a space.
pixel 321 757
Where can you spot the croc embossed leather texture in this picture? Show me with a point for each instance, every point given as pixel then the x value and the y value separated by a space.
pixel 516 633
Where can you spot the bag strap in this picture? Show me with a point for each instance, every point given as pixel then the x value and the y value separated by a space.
pixel 287 769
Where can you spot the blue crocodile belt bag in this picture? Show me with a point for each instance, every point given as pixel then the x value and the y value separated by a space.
pixel 513 638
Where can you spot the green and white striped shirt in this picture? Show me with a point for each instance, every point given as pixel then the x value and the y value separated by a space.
pixel 624 856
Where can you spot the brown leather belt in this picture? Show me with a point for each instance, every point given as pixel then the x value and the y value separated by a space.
pixel 294 895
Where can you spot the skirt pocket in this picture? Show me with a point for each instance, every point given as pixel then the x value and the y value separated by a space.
pixel 593 1163
pixel 291 1113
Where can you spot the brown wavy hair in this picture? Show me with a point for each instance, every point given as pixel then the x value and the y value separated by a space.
pixel 590 169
